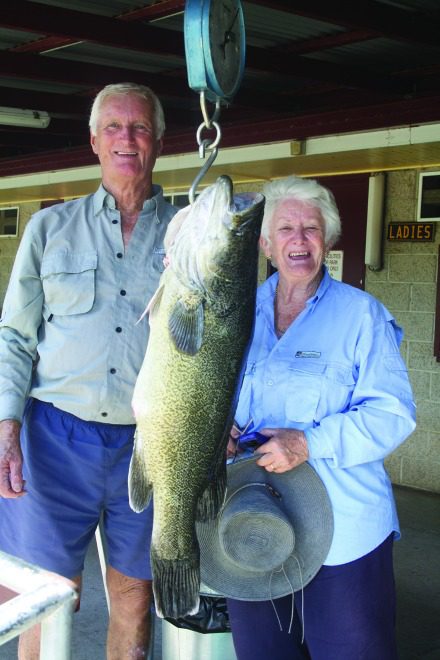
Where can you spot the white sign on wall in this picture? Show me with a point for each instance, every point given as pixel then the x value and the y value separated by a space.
pixel 334 263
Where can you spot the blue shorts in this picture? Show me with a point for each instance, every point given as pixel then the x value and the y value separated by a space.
pixel 75 472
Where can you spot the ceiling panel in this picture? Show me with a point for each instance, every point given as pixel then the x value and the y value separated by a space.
pixel 312 68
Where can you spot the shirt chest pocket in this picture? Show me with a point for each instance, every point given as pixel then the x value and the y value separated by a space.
pixel 68 280
pixel 157 263
pixel 303 391
pixel 318 391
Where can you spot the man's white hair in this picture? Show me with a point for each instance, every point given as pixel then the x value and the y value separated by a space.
pixel 132 89
pixel 305 190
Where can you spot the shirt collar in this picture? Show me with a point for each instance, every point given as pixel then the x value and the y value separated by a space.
pixel 322 288
pixel 103 199
pixel 267 289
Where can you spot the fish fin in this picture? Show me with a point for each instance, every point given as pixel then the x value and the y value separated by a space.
pixel 153 305
pixel 176 586
pixel 140 488
pixel 213 497
pixel 186 326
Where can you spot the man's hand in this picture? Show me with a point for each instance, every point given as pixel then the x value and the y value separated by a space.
pixel 11 460
pixel 284 450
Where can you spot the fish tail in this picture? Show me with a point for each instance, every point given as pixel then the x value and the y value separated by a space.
pixel 212 499
pixel 176 586
pixel 139 486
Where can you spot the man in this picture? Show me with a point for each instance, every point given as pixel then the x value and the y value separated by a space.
pixel 70 351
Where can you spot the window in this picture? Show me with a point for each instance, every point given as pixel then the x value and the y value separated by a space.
pixel 9 221
pixel 428 207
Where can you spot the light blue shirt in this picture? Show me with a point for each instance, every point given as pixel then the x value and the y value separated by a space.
pixel 338 375
pixel 73 300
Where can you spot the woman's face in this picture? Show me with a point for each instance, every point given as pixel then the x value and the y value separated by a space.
pixel 297 245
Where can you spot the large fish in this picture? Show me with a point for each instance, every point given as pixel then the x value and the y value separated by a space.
pixel 201 319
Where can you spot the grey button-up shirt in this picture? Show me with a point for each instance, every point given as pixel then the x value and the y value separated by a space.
pixel 73 301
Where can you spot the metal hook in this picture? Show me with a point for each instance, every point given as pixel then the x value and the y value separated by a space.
pixel 203 146
pixel 201 174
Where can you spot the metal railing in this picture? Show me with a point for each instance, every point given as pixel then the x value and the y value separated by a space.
pixel 42 597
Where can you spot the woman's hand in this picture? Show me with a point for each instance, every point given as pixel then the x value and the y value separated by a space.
pixel 284 450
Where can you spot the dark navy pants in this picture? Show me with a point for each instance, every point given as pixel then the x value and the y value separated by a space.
pixel 349 614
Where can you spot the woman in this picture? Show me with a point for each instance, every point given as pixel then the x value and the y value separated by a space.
pixel 325 383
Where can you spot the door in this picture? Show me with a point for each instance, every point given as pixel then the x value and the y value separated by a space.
pixel 351 194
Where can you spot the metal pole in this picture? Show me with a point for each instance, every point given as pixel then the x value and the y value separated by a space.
pixel 56 634
pixel 43 597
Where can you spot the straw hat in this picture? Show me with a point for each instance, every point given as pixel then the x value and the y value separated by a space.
pixel 270 538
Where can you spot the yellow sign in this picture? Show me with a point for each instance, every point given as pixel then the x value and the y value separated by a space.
pixel 411 231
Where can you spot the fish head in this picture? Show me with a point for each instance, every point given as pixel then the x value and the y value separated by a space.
pixel 202 238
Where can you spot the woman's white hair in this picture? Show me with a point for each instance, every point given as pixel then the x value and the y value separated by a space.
pixel 132 89
pixel 306 190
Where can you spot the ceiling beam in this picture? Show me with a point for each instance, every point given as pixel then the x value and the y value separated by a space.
pixel 19 139
pixel 158 10
pixel 83 26
pixel 66 104
pixel 325 42
pixel 149 13
pixel 303 67
pixel 57 70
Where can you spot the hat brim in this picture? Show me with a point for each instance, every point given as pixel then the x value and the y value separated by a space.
pixel 306 503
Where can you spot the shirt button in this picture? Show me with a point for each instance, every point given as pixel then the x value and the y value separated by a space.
pixel 112 370
pixel 118 329
pixel 122 292
pixel 119 255
pixel 114 222
pixel 270 382
pixel 104 414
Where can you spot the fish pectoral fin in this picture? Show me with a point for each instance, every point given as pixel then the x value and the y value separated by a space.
pixel 140 488
pixel 186 326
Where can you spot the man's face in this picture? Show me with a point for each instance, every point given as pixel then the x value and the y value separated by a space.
pixel 125 140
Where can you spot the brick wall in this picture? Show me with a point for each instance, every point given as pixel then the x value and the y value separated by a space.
pixel 407 286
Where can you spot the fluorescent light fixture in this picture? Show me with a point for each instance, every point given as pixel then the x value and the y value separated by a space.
pixel 19 117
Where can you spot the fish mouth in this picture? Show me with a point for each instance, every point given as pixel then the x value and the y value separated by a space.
pixel 246 210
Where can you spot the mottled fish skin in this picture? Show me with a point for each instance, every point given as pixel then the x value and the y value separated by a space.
pixel 201 320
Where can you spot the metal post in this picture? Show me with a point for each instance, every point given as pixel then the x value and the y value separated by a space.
pixel 43 597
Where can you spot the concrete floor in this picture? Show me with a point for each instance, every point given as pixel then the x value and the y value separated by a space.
pixel 417 568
